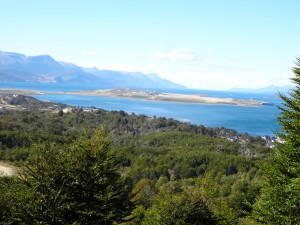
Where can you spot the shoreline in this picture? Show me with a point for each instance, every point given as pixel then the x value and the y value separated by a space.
pixel 20 92
pixel 167 97
pixel 146 95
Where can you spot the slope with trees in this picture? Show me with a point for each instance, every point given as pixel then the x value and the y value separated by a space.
pixel 167 161
pixel 280 200
pixel 78 184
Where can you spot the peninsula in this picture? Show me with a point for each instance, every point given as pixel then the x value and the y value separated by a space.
pixel 167 97
pixel 147 95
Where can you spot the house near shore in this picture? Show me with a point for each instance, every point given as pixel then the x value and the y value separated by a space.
pixel 66 110
pixel 87 108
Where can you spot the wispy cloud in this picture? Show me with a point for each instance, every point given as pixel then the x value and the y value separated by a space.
pixel 176 54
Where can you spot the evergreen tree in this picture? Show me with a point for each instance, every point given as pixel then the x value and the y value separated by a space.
pixel 79 184
pixel 7 198
pixel 186 208
pixel 280 199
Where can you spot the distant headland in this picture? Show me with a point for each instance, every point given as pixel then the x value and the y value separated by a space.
pixel 167 97
pixel 149 96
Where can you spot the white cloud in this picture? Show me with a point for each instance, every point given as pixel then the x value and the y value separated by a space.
pixel 176 54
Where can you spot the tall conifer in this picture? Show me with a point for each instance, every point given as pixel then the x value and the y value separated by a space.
pixel 280 199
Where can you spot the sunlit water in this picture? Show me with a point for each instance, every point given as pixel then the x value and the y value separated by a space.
pixel 253 120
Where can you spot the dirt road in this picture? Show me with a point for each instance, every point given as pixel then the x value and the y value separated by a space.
pixel 6 169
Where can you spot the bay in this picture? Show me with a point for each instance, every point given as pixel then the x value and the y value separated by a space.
pixel 256 121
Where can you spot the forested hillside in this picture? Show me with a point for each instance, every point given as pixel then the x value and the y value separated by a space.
pixel 181 170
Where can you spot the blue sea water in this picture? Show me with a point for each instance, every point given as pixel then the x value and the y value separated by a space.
pixel 253 120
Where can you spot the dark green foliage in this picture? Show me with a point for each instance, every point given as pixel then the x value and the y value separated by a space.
pixel 183 156
pixel 280 200
pixel 195 201
pixel 164 158
pixel 186 208
pixel 79 184
pixel 6 199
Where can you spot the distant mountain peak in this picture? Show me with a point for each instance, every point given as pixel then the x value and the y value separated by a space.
pixel 41 59
pixel 7 58
pixel 43 68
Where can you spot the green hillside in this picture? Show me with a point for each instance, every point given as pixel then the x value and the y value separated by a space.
pixel 166 163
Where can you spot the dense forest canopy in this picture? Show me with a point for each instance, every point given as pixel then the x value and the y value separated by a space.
pixel 166 162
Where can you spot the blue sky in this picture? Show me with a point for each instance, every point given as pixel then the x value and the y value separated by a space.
pixel 212 44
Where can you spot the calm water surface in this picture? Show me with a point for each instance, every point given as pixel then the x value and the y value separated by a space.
pixel 253 120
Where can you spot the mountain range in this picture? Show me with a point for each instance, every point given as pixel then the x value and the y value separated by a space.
pixel 16 67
